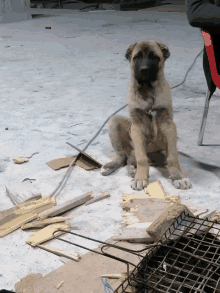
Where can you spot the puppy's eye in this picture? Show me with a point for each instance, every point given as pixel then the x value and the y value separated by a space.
pixel 137 57
pixel 153 56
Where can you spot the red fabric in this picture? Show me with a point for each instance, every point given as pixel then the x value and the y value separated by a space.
pixel 211 58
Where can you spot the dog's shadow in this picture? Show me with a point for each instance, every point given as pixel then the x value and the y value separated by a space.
pixel 200 173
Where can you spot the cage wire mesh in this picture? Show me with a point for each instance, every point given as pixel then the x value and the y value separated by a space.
pixel 186 259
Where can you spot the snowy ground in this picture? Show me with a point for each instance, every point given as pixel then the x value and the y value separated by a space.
pixel 77 73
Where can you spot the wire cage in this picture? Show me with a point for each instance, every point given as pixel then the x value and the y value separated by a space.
pixel 186 259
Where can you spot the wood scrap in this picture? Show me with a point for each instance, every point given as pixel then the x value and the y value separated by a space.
pixel 115 276
pixel 66 206
pixel 155 189
pixel 60 284
pixel 164 221
pixel 140 225
pixel 98 198
pixel 134 235
pixel 44 223
pixel 173 199
pixel 60 252
pixel 46 234
pixel 20 160
pixel 24 213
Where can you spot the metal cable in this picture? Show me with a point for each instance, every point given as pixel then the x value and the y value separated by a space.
pixel 65 178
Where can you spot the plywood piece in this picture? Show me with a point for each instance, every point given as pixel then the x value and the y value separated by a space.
pixel 98 198
pixel 44 223
pixel 155 189
pixel 60 252
pixel 46 234
pixel 68 205
pixel 24 213
pixel 166 219
pixel 138 214
pixel 143 210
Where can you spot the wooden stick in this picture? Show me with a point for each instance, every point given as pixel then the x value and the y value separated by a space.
pixel 44 223
pixel 115 276
pixel 98 198
pixel 79 200
pixel 60 252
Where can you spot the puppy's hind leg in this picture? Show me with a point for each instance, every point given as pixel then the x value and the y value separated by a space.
pixel 119 137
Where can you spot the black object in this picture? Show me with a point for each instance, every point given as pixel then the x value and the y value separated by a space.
pixel 6 291
pixel 48 27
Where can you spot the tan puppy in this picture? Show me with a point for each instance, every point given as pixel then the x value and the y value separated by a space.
pixel 150 127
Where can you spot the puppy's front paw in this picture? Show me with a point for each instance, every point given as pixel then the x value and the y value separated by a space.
pixel 105 171
pixel 132 171
pixel 139 183
pixel 183 183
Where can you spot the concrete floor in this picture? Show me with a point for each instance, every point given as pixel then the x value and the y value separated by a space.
pixel 76 72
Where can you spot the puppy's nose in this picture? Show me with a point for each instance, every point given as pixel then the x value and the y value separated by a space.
pixel 144 69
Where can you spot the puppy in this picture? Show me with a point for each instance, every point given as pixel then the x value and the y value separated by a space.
pixel 150 127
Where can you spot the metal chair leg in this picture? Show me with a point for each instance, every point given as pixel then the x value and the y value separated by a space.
pixel 205 114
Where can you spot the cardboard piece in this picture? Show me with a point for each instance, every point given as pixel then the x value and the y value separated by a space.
pixel 85 276
pixel 84 161
pixel 23 214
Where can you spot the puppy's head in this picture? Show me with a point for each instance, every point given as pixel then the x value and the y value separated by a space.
pixel 147 59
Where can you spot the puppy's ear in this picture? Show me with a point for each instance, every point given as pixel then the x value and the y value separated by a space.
pixel 164 49
pixel 128 53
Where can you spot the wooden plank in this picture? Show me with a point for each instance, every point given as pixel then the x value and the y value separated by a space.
pixel 155 189
pixel 60 252
pixel 98 198
pixel 44 223
pixel 79 200
pixel 24 213
pixel 46 234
